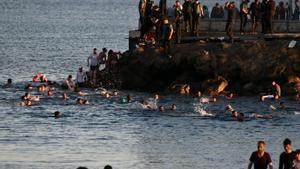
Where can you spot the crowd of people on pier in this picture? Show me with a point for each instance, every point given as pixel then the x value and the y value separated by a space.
pixel 158 22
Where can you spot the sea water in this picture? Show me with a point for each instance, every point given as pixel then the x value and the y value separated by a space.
pixel 55 37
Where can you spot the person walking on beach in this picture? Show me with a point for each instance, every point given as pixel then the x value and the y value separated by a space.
pixel 243 15
pixel 197 14
pixel 286 157
pixel 260 158
pixel 230 6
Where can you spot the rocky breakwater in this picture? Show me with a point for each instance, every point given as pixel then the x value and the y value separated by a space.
pixel 245 68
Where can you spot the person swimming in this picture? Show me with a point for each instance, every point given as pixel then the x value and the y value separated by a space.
pixel 25 102
pixel 80 101
pixel 8 83
pixel 50 93
pixel 129 99
pixel 28 87
pixel 57 114
pixel 208 100
pixel 65 96
pixel 161 108
pixel 30 97
pixel 273 97
pixel 173 107
pixel 42 88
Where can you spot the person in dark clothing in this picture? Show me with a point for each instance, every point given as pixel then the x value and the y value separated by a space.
pixel 270 15
pixel 243 15
pixel 178 19
pixel 167 33
pixel 230 6
pixel 260 158
pixel 264 8
pixel 286 157
pixel 255 9
pixel 187 15
pixel 280 12
pixel 197 14
pixel 296 13
pixel 142 10
pixel 147 23
pixel 163 7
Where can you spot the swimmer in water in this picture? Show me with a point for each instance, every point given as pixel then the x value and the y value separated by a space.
pixel 65 96
pixel 173 107
pixel 274 97
pixel 161 108
pixel 28 87
pixel 30 97
pixel 79 92
pixel 229 96
pixel 146 105
pixel 50 93
pixel 156 97
pixel 234 114
pixel 57 114
pixel 208 100
pixel 80 101
pixel 8 83
pixel 129 99
pixel 25 102
pixel 42 88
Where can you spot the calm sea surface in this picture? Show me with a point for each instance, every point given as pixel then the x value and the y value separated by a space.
pixel 55 37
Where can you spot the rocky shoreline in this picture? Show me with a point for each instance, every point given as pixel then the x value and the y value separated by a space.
pixel 244 68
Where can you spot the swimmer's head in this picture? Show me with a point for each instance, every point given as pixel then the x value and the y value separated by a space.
pixel 9 81
pixel 57 114
pixel 28 103
pixel 161 108
pixel 174 107
pixel 65 96
pixel 234 114
pixel 107 95
pixel 107 167
pixel 28 87
pixel 129 98
pixel 229 108
pixel 70 77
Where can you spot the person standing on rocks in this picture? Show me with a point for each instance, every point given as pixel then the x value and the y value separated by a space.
pixel 264 8
pixel 243 15
pixel 178 19
pixel 270 15
pixel 197 14
pixel 167 33
pixel 255 9
pixel 187 15
pixel 277 89
pixel 230 6
pixel 142 10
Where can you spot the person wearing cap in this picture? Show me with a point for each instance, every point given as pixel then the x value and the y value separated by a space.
pixel 286 158
pixel 296 162
pixel 260 158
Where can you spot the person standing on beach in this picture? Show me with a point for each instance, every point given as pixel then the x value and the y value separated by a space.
pixel 230 6
pixel 286 157
pixel 260 158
